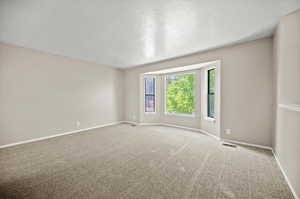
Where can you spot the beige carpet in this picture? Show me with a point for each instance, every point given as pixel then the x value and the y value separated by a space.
pixel 138 162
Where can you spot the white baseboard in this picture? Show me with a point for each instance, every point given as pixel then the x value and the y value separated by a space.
pixel 202 131
pixel 129 122
pixel 150 124
pixel 172 125
pixel 191 129
pixel 285 176
pixel 57 135
pixel 247 144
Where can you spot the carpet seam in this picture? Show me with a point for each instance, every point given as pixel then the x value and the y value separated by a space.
pixel 195 177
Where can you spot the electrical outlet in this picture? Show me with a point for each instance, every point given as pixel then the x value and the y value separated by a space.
pixel 78 124
pixel 228 131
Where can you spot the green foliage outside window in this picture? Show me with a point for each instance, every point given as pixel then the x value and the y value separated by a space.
pixel 180 94
pixel 212 80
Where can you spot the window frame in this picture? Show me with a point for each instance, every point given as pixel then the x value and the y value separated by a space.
pixel 208 93
pixel 154 95
pixel 166 94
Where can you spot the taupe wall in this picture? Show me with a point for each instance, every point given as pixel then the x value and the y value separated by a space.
pixel 287 64
pixel 42 94
pixel 246 89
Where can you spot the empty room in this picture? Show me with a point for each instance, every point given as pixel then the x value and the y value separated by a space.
pixel 167 99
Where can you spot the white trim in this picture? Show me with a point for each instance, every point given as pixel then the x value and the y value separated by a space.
pixel 191 129
pixel 218 97
pixel 174 126
pixel 155 94
pixel 181 68
pixel 285 176
pixel 129 122
pixel 149 124
pixel 210 119
pixel 181 114
pixel 181 73
pixel 202 131
pixel 247 144
pixel 149 113
pixel 57 135
pixel 291 107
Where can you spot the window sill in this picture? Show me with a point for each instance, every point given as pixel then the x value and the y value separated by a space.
pixel 210 119
pixel 291 107
pixel 180 115
pixel 149 113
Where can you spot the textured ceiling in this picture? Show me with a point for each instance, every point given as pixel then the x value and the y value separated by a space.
pixel 134 32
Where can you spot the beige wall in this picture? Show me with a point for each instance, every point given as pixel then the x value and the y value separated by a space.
pixel 287 64
pixel 42 94
pixel 246 89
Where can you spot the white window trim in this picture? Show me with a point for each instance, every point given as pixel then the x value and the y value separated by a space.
pixel 192 115
pixel 155 95
pixel 211 119
pixel 180 114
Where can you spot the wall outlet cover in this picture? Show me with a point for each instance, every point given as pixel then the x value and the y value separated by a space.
pixel 228 131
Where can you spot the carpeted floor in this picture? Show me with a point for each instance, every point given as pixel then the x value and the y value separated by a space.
pixel 138 162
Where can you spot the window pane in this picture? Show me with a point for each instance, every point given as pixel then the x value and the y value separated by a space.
pixel 211 105
pixel 211 93
pixel 211 79
pixel 180 94
pixel 149 94
pixel 149 85
pixel 150 103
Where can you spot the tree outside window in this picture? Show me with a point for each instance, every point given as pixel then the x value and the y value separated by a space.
pixel 180 94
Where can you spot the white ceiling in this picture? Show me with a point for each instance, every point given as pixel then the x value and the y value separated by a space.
pixel 126 33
